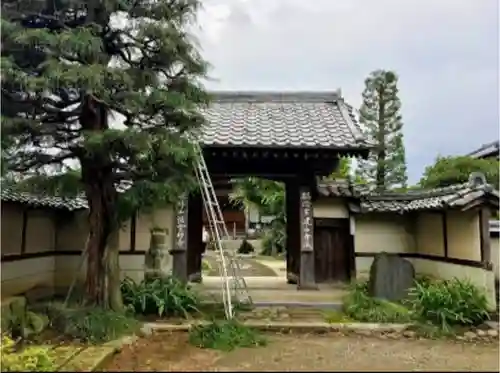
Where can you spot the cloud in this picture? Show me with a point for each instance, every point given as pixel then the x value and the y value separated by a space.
pixel 445 52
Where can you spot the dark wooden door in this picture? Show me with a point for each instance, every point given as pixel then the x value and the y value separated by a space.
pixel 332 251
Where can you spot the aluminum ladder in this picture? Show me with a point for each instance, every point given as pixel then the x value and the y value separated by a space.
pixel 234 285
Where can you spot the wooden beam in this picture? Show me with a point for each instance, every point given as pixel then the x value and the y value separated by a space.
pixel 444 216
pixel 133 230
pixel 24 229
pixel 437 258
pixel 292 201
pixel 484 229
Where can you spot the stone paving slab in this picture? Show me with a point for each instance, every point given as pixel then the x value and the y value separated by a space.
pixel 303 326
pixel 248 267
pixel 268 297
pixel 63 354
pixel 85 358
pixel 90 359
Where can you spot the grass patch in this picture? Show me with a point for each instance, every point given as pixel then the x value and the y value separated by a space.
pixel 449 303
pixel 225 336
pixel 334 317
pixel 90 324
pixel 215 310
pixel 438 308
pixel 432 331
pixel 359 306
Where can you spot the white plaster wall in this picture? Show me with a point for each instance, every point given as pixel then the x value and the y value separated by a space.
pixel 464 235
pixel 333 208
pixel 429 233
pixel 495 257
pixel 68 265
pixel 22 275
pixel 375 233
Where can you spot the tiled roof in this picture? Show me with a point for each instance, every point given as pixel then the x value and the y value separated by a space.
pixel 37 200
pixel 300 120
pixel 491 149
pixel 8 194
pixel 435 199
pixel 455 196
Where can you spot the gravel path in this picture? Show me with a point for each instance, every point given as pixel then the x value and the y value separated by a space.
pixel 171 352
pixel 249 267
pixel 328 353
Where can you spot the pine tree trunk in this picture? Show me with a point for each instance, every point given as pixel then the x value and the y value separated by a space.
pixel 100 222
pixel 103 277
pixel 114 295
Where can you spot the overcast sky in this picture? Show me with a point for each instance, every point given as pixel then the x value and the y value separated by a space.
pixel 445 52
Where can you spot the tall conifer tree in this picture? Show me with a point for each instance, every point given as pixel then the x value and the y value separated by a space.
pixel 380 117
pixel 69 67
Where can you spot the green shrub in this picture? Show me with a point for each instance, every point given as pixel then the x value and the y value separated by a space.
pixel 246 247
pixel 358 305
pixel 29 359
pixel 19 321
pixel 90 324
pixel 205 266
pixel 225 336
pixel 211 245
pixel 449 302
pixel 274 238
pixel 162 296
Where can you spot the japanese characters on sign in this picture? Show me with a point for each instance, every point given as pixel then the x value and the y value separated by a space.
pixel 306 221
pixel 181 224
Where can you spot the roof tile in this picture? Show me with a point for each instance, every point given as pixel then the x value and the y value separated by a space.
pixel 448 197
pixel 320 120
pixel 37 200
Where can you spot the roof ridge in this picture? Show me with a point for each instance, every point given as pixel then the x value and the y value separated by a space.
pixel 488 147
pixel 276 96
pixel 412 195
pixel 347 115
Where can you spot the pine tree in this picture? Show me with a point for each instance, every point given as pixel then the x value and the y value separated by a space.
pixel 343 170
pixel 72 68
pixel 381 120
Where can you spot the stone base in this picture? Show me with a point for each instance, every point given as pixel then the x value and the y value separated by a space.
pixel 179 264
pixel 307 287
pixel 195 277
pixel 292 278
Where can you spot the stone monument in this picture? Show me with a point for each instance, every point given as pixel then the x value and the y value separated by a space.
pixel 391 276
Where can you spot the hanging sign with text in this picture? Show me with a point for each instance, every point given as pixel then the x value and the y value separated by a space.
pixel 181 225
pixel 306 218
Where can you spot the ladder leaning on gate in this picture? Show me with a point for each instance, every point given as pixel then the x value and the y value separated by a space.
pixel 233 284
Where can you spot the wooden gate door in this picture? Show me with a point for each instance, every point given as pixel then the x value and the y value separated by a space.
pixel 332 250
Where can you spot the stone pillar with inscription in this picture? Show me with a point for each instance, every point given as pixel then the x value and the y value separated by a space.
pixel 307 280
pixel 179 248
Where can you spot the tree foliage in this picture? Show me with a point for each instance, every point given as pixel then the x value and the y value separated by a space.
pixel 269 198
pixel 381 120
pixel 454 170
pixel 267 195
pixel 343 170
pixel 70 72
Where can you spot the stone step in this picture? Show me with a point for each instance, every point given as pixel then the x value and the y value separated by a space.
pixel 302 305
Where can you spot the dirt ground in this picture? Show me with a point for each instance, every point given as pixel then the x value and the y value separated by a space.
pixel 171 352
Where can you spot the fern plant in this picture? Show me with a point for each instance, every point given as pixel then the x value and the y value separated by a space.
pixel 163 296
